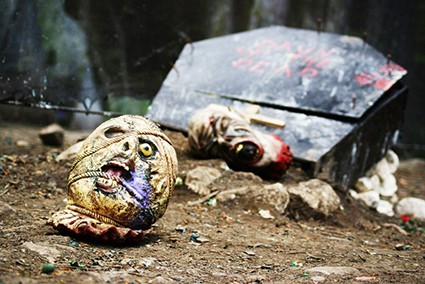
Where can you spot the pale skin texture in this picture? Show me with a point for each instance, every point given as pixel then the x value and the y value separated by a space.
pixel 120 181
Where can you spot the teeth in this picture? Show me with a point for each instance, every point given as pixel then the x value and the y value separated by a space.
pixel 107 185
pixel 106 176
pixel 118 164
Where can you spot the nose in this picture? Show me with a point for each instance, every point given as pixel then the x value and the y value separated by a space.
pixel 126 146
pixel 129 146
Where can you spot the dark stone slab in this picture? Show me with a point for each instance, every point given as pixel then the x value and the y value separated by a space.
pixel 340 98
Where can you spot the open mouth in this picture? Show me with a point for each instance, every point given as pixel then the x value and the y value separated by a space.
pixel 114 173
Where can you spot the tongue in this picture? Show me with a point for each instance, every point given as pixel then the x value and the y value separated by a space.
pixel 115 171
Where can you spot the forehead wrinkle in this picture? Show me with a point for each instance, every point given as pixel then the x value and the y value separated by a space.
pixel 156 134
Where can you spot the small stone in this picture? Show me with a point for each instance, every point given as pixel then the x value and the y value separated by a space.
pixel 180 229
pixel 411 206
pixel 366 278
pixel 22 143
pixel 48 268
pixel 265 214
pixel 202 240
pixel 200 178
pixel 179 181
pixel 147 261
pixel 194 236
pixel 52 135
pixel 399 246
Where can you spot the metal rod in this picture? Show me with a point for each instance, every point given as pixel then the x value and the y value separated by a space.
pixel 61 108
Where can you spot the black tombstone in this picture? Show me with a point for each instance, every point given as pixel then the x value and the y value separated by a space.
pixel 342 100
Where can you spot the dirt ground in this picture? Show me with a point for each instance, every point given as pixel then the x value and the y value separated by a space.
pixel 236 245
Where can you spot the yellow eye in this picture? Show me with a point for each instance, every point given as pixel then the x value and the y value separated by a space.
pixel 146 149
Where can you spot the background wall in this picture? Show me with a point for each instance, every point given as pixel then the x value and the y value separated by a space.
pixel 114 55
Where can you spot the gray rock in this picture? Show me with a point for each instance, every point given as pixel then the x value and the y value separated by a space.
pixel 46 250
pixel 276 195
pixel 328 270
pixel 70 153
pixel 231 194
pixel 161 280
pixel 52 135
pixel 313 197
pixel 411 206
pixel 318 279
pixel 199 179
pixel 5 209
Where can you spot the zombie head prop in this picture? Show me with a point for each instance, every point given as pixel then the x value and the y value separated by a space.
pixel 222 132
pixel 120 181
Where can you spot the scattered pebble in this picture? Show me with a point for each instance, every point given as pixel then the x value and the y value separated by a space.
pixel 366 278
pixel 179 181
pixel 22 143
pixel 194 236
pixel 48 268
pixel 180 229
pixel 147 261
pixel 201 239
pixel 265 214
pixel 402 247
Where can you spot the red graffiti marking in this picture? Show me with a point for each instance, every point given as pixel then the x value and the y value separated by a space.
pixel 380 80
pixel 311 58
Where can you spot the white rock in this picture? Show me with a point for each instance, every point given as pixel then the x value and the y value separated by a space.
pixel 370 198
pixel 380 179
pixel 376 182
pixel 385 207
pixel 411 206
pixel 200 178
pixel 364 184
pixel 316 194
pixel 393 161
pixel 388 186
pixel 382 169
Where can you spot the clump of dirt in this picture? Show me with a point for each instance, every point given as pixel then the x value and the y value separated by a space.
pixel 226 242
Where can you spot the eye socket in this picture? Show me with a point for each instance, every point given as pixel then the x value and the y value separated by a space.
pixel 146 149
pixel 247 151
pixel 114 132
